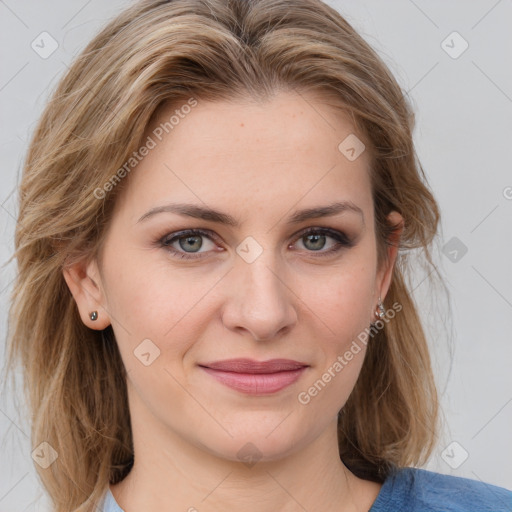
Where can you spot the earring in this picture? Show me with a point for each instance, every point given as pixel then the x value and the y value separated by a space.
pixel 93 316
pixel 381 311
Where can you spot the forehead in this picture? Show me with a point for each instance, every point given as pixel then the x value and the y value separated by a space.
pixel 253 155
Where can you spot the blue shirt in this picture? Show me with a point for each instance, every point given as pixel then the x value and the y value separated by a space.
pixel 419 490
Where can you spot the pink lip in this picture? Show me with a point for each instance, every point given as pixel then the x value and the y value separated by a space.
pixel 255 377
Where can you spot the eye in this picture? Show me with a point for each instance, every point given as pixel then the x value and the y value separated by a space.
pixel 187 244
pixel 314 239
pixel 189 240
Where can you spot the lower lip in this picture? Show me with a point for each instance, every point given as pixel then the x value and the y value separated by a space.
pixel 256 383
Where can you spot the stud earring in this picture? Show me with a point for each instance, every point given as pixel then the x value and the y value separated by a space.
pixel 93 316
pixel 381 311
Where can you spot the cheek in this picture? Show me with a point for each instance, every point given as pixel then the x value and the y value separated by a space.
pixel 146 302
pixel 343 299
pixel 346 296
pixel 342 308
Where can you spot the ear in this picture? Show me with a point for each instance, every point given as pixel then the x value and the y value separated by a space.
pixel 385 273
pixel 84 281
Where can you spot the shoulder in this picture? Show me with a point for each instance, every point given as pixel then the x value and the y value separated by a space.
pixel 419 490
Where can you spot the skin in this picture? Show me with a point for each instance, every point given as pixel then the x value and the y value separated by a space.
pixel 260 163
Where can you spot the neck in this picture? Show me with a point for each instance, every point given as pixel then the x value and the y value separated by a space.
pixel 168 474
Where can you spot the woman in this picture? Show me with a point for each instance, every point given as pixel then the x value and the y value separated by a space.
pixel 211 307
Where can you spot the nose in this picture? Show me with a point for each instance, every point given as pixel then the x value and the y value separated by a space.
pixel 260 300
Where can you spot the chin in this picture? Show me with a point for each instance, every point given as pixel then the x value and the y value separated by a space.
pixel 258 441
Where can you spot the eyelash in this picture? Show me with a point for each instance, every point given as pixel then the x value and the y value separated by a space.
pixel 342 241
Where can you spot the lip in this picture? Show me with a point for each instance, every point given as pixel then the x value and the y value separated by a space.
pixel 255 377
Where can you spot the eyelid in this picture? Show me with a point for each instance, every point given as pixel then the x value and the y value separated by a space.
pixel 182 233
pixel 333 233
pixel 169 238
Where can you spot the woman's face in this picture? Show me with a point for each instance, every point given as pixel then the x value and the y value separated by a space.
pixel 258 287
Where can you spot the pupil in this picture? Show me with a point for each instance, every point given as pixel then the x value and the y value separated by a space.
pixel 190 240
pixel 318 237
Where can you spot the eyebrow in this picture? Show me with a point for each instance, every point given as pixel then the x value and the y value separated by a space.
pixel 209 214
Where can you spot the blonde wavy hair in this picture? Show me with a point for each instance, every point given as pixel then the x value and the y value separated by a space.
pixel 164 52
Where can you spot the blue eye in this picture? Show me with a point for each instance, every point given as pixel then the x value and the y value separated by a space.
pixel 193 239
pixel 318 236
pixel 189 239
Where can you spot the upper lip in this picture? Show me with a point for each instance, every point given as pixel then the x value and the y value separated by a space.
pixel 242 365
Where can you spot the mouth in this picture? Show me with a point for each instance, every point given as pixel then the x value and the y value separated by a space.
pixel 255 377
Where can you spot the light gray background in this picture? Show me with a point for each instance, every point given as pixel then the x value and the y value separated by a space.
pixel 463 136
